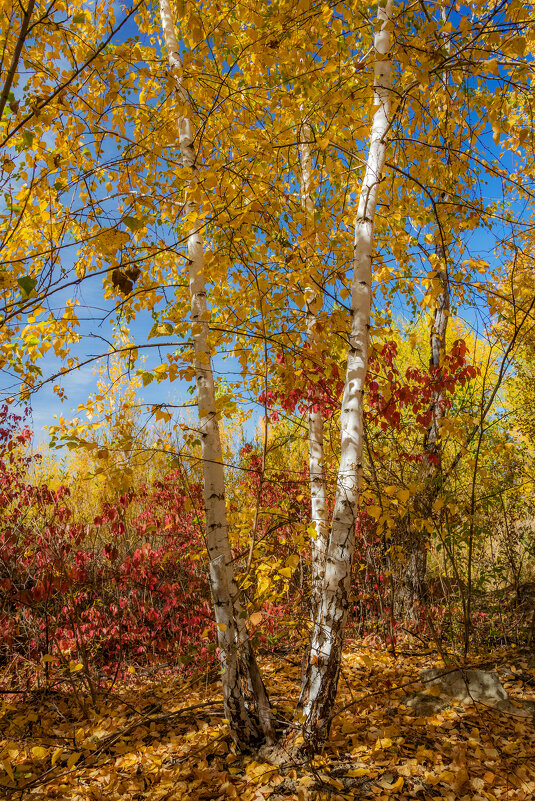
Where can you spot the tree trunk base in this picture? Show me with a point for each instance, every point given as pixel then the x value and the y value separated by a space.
pixel 284 755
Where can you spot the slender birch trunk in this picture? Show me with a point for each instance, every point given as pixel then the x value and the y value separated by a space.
pixel 315 416
pixel 413 583
pixel 439 327
pixel 415 568
pixel 320 680
pixel 244 696
pixel 438 346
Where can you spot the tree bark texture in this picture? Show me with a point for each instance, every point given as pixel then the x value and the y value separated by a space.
pixel 411 573
pixel 313 297
pixel 413 583
pixel 246 703
pixel 320 679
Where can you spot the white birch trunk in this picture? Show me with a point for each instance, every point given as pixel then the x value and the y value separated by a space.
pixel 318 498
pixel 320 681
pixel 243 690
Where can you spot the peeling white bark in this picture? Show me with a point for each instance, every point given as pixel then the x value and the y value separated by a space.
pixel 241 679
pixel 320 681
pixel 315 416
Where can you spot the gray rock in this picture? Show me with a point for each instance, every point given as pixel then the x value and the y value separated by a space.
pixel 445 688
pixel 466 686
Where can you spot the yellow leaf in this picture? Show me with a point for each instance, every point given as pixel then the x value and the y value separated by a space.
pixel 222 626
pixel 39 752
pixel 404 495
pixel 160 414
pixel 128 761
pixel 293 560
pixel 355 773
pixel 55 756
pixel 6 764
pixel 256 618
pixel 386 742
pixel 75 667
pixel 109 240
pixel 72 760
pixel 312 531
pixel 518 46
pixel 286 572
pixel 161 330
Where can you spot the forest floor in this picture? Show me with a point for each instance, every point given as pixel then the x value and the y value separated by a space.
pixel 164 739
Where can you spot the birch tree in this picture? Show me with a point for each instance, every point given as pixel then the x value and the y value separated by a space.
pixel 416 545
pixel 320 681
pixel 245 700
pixel 315 416
pixel 244 114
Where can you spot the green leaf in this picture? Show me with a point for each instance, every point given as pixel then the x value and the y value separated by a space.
pixel 134 223
pixel 78 18
pixel 27 138
pixel 27 284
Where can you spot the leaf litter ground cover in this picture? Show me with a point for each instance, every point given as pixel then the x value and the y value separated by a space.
pixel 164 739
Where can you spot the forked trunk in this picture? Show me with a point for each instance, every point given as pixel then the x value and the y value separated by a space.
pixel 245 699
pixel 320 680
